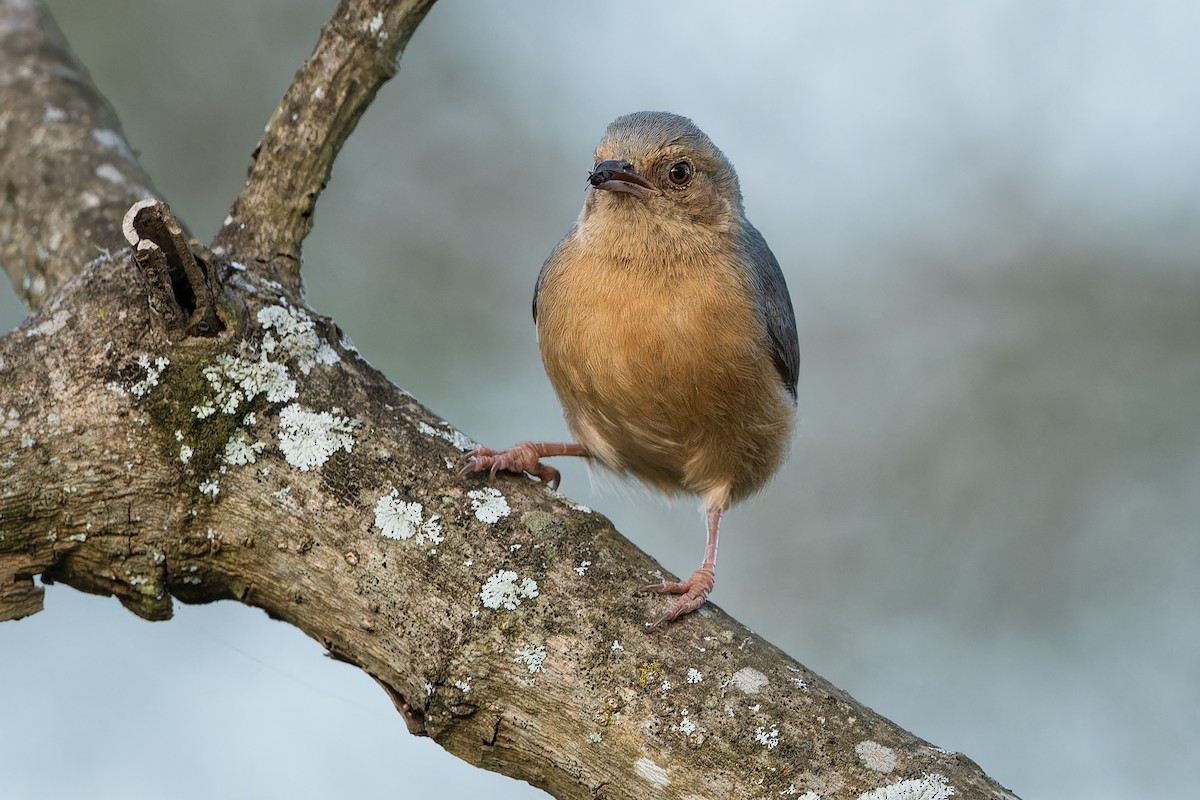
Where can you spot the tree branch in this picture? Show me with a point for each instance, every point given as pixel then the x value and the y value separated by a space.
pixel 67 169
pixel 357 53
pixel 147 456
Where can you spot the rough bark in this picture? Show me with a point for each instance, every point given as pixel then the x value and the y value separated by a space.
pixel 178 424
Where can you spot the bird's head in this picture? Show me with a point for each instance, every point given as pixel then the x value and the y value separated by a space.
pixel 656 163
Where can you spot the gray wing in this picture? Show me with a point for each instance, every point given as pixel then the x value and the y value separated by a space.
pixel 774 306
pixel 537 287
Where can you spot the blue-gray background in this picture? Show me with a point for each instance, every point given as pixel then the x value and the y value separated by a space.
pixel 988 216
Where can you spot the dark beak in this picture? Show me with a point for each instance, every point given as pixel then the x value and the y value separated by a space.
pixel 620 176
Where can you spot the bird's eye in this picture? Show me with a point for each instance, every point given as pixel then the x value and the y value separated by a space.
pixel 681 173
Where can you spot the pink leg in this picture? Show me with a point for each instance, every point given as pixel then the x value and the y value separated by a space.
pixel 696 588
pixel 522 458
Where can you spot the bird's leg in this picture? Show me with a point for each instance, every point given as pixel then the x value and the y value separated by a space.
pixel 522 458
pixel 695 589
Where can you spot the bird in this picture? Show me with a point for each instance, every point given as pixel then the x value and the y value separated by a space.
pixel 667 331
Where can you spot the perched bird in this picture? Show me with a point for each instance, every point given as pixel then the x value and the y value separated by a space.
pixel 667 331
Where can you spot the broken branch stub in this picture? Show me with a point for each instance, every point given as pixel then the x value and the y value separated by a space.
pixel 181 282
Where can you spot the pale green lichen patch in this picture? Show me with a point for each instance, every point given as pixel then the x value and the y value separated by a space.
pixel 767 737
pixel 308 439
pixel 460 440
pixel 290 333
pixel 488 504
pixel 503 590
pixel 749 680
pixel 212 402
pixel 195 441
pixel 237 381
pixel 241 449
pixel 532 657
pixel 927 787
pixel 153 370
pixel 875 756
pixel 400 519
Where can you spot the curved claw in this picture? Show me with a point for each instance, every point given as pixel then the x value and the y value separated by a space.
pixel 694 593
pixel 518 459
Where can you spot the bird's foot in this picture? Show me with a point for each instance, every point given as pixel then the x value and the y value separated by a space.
pixel 520 458
pixel 694 592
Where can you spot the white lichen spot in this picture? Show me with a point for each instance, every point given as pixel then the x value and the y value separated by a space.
pixel 53 113
pixel 185 454
pixel 685 726
pixel 767 738
pixel 502 590
pixel 749 680
pixel 582 569
pixel 488 504
pixel 295 337
pixel 462 686
pixel 666 686
pixel 204 411
pixel 27 440
pixel 307 439
pixel 153 371
pixel 110 172
pixel 876 756
pixel 460 440
pixel 235 380
pixel 241 449
pixel 398 519
pixel 210 487
pixel 616 645
pixel 376 23
pixel 694 675
pixel 927 787
pixel 595 737
pixel 112 140
pixel 179 436
pixel 651 772
pixel 532 656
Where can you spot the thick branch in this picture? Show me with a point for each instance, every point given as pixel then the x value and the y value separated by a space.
pixel 67 171
pixel 272 466
pixel 357 53
pixel 268 464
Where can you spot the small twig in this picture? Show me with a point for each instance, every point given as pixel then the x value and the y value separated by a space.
pixel 356 54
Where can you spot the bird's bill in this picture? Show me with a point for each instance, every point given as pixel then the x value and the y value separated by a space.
pixel 619 176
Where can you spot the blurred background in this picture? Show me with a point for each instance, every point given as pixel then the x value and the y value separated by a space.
pixel 988 214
